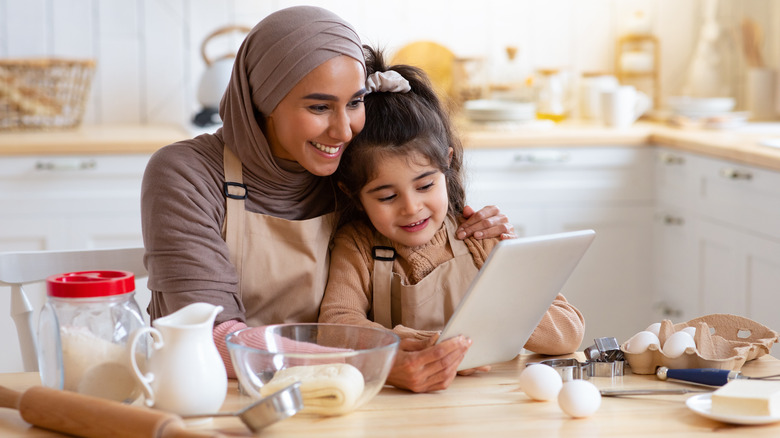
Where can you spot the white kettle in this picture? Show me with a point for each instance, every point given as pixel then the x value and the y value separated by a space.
pixel 215 79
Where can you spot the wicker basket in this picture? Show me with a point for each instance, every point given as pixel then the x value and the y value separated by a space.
pixel 43 93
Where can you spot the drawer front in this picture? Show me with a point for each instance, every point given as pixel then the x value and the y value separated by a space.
pixel 577 175
pixel 743 196
pixel 55 178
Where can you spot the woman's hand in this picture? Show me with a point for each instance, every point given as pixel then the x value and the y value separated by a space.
pixel 487 222
pixel 421 366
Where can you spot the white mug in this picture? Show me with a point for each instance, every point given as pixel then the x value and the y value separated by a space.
pixel 590 94
pixel 621 106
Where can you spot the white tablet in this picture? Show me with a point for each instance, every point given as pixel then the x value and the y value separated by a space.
pixel 512 292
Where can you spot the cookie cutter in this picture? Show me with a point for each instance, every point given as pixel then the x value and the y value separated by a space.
pixel 604 350
pixel 572 369
pixel 604 359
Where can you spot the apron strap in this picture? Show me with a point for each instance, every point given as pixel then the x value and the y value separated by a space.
pixel 383 276
pixel 235 193
pixel 458 247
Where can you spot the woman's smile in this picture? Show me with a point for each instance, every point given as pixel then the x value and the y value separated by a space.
pixel 330 150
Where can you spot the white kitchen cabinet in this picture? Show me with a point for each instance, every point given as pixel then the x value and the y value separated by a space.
pixel 70 202
pixel 717 243
pixel 66 202
pixel 675 253
pixel 608 189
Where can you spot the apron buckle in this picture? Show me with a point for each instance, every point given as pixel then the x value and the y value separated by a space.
pixel 384 258
pixel 226 189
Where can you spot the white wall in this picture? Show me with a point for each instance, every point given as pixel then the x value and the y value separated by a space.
pixel 148 51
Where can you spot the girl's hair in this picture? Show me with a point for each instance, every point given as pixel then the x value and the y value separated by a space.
pixel 400 124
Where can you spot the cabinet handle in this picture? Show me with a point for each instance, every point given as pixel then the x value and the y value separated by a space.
pixel 65 165
pixel 668 158
pixel 673 220
pixel 731 173
pixel 543 157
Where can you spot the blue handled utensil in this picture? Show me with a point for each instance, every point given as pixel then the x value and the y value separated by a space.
pixel 705 376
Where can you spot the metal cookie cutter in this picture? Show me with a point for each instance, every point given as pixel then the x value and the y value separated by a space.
pixel 604 359
pixel 604 350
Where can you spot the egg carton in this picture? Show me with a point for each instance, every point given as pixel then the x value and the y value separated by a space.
pixel 723 341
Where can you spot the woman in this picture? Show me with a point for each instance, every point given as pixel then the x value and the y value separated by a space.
pixel 243 218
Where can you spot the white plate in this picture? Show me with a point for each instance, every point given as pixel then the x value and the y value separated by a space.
pixel 499 110
pixel 702 405
pixel 699 107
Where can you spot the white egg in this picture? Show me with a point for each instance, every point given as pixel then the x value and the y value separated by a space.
pixel 676 344
pixel 641 341
pixel 579 398
pixel 690 330
pixel 540 382
pixel 654 328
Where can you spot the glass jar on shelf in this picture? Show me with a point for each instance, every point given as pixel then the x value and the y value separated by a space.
pixel 553 98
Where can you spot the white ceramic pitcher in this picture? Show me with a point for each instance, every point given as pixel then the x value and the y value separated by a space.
pixel 185 373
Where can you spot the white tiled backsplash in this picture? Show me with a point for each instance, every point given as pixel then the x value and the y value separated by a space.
pixel 149 61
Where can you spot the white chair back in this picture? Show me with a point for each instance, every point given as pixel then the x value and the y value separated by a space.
pixel 20 268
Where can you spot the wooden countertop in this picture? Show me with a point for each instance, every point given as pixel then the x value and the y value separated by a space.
pixel 487 404
pixel 737 145
pixel 96 139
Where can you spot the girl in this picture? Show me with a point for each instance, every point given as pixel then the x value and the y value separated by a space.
pixel 242 218
pixel 395 260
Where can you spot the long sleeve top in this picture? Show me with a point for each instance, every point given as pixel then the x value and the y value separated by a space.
pixel 348 296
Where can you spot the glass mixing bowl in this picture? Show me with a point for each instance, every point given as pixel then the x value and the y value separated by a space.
pixel 340 367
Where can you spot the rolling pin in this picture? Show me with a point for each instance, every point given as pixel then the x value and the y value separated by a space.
pixel 92 417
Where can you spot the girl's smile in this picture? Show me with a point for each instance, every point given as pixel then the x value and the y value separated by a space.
pixel 406 200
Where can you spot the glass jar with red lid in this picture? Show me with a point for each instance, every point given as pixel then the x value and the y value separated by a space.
pixel 83 330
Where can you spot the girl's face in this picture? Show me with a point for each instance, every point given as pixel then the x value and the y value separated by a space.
pixel 407 199
pixel 316 120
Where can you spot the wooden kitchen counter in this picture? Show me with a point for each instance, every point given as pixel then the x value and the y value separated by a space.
pixel 484 405
pixel 96 139
pixel 738 146
pixel 735 145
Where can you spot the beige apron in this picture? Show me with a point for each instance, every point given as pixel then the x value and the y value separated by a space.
pixel 282 265
pixel 430 303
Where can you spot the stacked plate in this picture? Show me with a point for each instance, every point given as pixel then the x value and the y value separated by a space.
pixel 701 107
pixel 709 112
pixel 499 110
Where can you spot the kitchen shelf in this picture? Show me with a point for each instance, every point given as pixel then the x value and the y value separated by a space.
pixel 645 44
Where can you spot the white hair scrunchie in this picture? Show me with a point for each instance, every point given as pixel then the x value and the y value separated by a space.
pixel 387 81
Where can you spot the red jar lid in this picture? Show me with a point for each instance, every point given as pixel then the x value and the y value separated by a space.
pixel 87 284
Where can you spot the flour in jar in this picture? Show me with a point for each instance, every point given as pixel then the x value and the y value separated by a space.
pixel 95 366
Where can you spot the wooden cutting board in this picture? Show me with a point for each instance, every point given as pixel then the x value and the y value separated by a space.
pixel 435 59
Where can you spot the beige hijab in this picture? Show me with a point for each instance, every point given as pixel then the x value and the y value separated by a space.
pixel 275 56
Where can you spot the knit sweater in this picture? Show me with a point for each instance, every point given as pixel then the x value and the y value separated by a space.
pixel 349 294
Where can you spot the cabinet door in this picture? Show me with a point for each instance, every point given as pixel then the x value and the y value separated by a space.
pixel 29 232
pixel 107 229
pixel 611 286
pixel 675 264
pixel 740 273
pixel 70 202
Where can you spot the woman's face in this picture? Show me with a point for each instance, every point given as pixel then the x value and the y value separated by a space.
pixel 316 120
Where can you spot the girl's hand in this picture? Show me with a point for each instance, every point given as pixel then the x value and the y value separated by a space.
pixel 486 223
pixel 470 371
pixel 421 366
